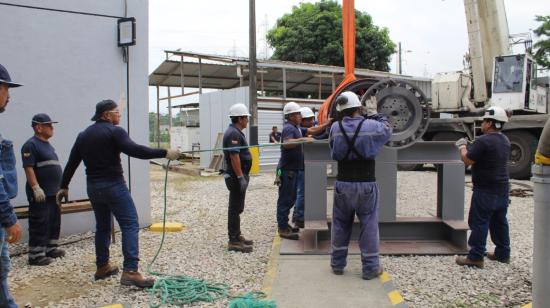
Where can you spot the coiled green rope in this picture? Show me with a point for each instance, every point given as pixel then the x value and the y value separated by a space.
pixel 177 289
pixel 252 300
pixel 180 290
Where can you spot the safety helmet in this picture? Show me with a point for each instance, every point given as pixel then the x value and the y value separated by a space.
pixel 496 113
pixel 347 100
pixel 291 107
pixel 307 113
pixel 238 110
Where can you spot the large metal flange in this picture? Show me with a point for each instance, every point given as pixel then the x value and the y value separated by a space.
pixel 406 107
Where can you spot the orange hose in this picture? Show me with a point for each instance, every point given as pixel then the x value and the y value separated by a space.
pixel 348 32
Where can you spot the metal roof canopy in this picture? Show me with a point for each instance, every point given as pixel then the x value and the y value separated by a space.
pixel 224 72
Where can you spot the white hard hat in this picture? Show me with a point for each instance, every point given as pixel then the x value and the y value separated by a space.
pixel 307 112
pixel 347 100
pixel 496 113
pixel 291 107
pixel 238 110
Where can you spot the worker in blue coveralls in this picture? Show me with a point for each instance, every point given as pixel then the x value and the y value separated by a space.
pixel 237 164
pixel 488 156
pixel 10 230
pixel 290 165
pixel 43 172
pixel 308 129
pixel 354 142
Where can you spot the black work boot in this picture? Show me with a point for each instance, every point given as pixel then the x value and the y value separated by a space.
pixel 299 224
pixel 467 261
pixel 245 241
pixel 491 256
pixel 288 233
pixel 337 271
pixel 373 274
pixel 238 246
pixel 40 261
pixel 105 271
pixel 133 278
pixel 56 253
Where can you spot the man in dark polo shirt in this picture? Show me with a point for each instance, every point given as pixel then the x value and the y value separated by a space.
pixel 43 172
pixel 238 162
pixel 99 146
pixel 488 156
pixel 274 136
pixel 290 164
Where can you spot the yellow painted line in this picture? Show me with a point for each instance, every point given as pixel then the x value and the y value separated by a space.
pixel 385 277
pixel 395 297
pixel 170 227
pixel 530 305
pixel 272 266
pixel 113 306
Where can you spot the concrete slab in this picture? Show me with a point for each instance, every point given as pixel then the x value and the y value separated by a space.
pixel 307 281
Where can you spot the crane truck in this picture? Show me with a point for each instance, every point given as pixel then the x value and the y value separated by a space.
pixel 495 76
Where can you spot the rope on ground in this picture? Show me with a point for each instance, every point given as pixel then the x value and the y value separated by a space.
pixel 252 300
pixel 178 289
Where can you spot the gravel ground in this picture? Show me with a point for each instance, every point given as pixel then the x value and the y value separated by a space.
pixel 199 251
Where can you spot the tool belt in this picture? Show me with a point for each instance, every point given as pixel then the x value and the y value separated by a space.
pixel 356 170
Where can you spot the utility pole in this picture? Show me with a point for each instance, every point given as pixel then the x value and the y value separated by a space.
pixel 252 74
pixel 399 63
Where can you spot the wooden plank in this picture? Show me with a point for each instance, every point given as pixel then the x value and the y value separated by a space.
pixel 76 206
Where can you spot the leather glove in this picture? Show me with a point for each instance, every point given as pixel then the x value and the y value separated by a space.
pixel 172 154
pixel 62 194
pixel 371 106
pixel 462 142
pixel 38 194
pixel 243 183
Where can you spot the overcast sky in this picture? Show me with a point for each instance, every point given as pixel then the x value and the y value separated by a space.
pixel 433 30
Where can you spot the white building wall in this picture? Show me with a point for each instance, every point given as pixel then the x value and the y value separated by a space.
pixel 68 61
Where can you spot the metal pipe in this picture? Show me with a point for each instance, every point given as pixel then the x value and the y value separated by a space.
pixel 541 242
pixel 252 74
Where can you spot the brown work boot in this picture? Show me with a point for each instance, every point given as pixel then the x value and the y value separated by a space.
pixel 491 256
pixel 133 278
pixel 104 271
pixel 239 246
pixel 288 233
pixel 468 262
pixel 245 241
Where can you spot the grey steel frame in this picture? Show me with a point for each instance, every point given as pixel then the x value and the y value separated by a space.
pixel 448 228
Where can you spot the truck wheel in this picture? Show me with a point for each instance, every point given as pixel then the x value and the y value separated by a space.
pixel 522 150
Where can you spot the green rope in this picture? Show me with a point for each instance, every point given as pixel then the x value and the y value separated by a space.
pixel 177 289
pixel 252 300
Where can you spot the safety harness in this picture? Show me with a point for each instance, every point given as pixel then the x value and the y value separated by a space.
pixel 361 170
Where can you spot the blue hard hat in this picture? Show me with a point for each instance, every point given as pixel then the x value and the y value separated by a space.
pixel 5 78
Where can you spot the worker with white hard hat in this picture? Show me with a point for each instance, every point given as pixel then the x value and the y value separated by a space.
pixel 237 164
pixel 290 165
pixel 488 155
pixel 308 128
pixel 354 142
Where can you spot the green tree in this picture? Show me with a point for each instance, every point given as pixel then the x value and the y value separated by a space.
pixel 542 47
pixel 312 33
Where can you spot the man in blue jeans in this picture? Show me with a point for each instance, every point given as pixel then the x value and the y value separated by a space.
pixel 10 231
pixel 290 164
pixel 99 146
pixel 488 156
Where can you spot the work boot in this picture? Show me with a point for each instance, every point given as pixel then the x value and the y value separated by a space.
pixel 133 278
pixel 337 271
pixel 56 253
pixel 299 224
pixel 288 233
pixel 238 246
pixel 245 241
pixel 373 274
pixel 40 261
pixel 294 228
pixel 468 262
pixel 105 271
pixel 491 256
